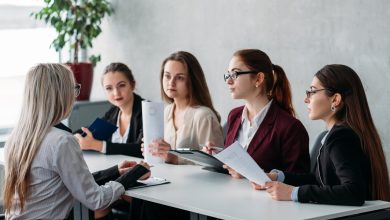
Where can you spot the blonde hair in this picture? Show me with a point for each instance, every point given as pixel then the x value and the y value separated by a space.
pixel 48 98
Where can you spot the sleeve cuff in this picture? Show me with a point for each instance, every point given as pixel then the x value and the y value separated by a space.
pixel 280 174
pixel 294 194
pixel 104 147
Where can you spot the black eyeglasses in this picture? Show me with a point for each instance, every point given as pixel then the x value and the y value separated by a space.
pixel 234 74
pixel 77 89
pixel 309 93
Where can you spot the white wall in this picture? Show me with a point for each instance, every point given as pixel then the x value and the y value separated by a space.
pixel 302 36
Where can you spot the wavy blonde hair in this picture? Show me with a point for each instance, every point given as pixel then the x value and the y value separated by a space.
pixel 48 98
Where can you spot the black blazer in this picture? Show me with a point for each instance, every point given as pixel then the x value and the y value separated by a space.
pixel 341 175
pixel 132 147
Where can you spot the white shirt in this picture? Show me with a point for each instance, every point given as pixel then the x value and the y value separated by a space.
pixel 58 176
pixel 116 136
pixel 247 131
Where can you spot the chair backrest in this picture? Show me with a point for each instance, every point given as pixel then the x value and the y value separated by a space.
pixel 315 150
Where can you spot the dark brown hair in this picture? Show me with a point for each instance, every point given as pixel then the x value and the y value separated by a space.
pixel 122 68
pixel 355 113
pixel 276 85
pixel 196 81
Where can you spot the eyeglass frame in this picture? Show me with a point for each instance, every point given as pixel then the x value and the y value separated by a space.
pixel 230 75
pixel 77 89
pixel 309 93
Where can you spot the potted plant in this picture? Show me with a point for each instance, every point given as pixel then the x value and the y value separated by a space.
pixel 77 23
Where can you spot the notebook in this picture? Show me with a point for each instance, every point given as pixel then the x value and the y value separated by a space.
pixel 101 130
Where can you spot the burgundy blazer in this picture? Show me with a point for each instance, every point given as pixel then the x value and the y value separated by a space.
pixel 281 141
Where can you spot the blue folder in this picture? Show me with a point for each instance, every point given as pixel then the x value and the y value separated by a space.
pixel 101 130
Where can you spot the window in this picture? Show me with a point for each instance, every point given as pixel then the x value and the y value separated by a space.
pixel 23 42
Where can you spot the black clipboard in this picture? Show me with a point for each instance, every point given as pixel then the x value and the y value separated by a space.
pixel 199 157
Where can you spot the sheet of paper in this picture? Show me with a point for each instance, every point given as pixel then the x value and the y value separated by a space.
pixel 153 127
pixel 238 159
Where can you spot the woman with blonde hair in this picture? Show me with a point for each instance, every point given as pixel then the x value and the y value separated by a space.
pixel 45 169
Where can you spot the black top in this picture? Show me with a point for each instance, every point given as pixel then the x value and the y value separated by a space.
pixel 132 147
pixel 342 172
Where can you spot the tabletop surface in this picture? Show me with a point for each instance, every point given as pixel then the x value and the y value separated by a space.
pixel 220 196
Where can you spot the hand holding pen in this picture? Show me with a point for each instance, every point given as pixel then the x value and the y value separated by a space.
pixel 210 148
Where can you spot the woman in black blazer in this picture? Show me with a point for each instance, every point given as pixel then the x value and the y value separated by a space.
pixel 350 165
pixel 126 112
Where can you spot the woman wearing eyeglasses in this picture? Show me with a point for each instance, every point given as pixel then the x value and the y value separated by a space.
pixel 266 125
pixel 350 166
pixel 45 171
pixel 190 119
pixel 125 112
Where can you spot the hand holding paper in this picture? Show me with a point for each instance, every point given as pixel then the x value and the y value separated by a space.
pixel 238 159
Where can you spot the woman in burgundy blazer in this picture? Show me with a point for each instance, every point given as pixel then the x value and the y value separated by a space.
pixel 266 125
pixel 281 140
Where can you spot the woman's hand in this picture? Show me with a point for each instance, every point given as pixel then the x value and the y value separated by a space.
pixel 232 172
pixel 272 175
pixel 125 165
pixel 279 191
pixel 257 186
pixel 146 175
pixel 88 142
pixel 208 148
pixel 159 148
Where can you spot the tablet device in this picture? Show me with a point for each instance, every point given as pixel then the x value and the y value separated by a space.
pixel 210 162
pixel 101 129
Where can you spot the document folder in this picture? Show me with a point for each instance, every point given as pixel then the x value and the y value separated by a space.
pixel 101 130
pixel 210 162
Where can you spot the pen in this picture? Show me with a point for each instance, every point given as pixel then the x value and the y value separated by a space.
pixel 214 148
pixel 217 148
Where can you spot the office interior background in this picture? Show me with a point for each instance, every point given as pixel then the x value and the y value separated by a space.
pixel 302 36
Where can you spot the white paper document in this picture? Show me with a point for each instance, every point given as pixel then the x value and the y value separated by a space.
pixel 153 127
pixel 238 159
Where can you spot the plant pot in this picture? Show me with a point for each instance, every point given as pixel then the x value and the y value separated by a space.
pixel 83 73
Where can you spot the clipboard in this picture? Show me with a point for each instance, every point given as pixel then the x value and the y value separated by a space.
pixel 209 162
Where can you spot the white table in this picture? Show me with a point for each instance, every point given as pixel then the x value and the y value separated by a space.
pixel 206 193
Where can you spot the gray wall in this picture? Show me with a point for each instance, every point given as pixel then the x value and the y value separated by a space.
pixel 301 36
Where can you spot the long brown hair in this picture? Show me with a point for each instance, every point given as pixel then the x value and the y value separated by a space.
pixel 355 112
pixel 197 81
pixel 48 98
pixel 276 85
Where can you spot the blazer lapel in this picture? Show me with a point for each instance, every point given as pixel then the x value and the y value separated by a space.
pixel 264 128
pixel 236 124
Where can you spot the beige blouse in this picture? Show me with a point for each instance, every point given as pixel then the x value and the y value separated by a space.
pixel 200 125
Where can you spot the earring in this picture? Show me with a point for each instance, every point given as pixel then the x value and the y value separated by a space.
pixel 257 85
pixel 332 108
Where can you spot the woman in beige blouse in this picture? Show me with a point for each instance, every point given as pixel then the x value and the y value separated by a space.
pixel 190 119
